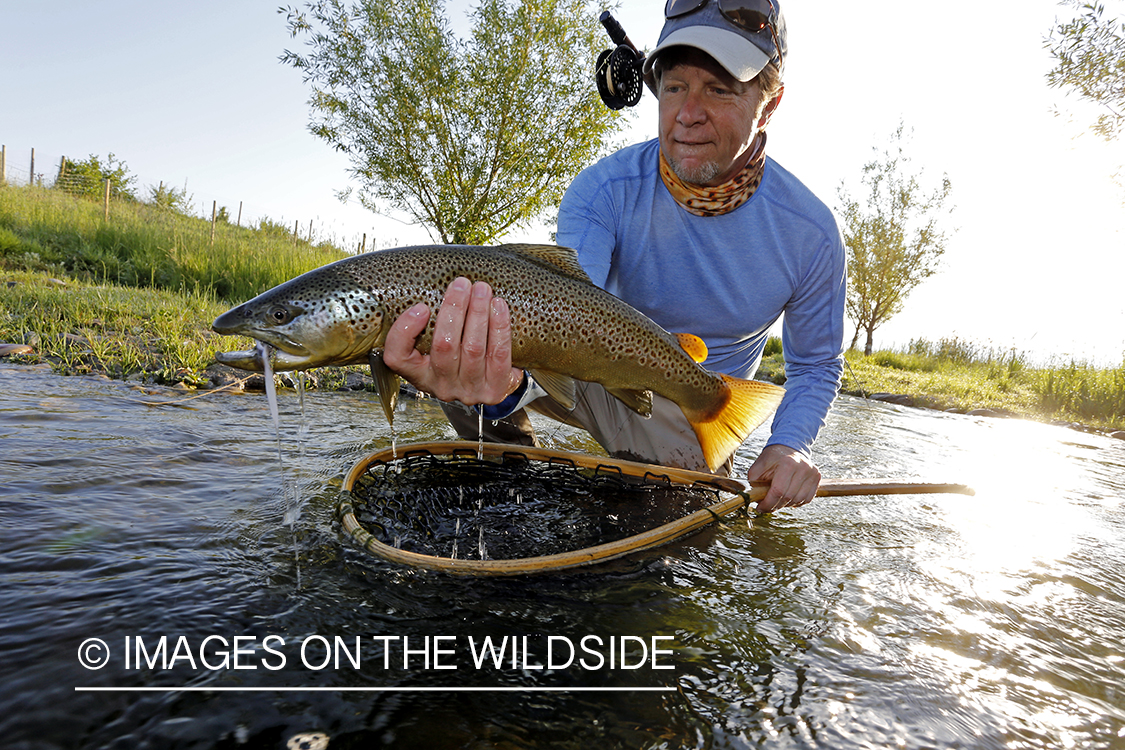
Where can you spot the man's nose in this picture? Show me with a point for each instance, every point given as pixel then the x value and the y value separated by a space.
pixel 692 111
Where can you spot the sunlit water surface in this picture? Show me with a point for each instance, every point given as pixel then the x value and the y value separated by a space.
pixel 996 621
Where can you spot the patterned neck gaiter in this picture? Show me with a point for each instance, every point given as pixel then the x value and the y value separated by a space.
pixel 720 199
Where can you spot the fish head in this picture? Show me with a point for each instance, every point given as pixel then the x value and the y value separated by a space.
pixel 322 318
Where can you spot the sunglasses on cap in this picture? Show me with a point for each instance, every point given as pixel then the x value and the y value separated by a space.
pixel 749 15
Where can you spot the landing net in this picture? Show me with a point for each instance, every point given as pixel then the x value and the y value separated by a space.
pixel 495 509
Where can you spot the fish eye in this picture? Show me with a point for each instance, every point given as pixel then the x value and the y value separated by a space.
pixel 279 315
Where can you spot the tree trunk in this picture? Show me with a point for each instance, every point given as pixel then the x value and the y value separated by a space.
pixel 870 339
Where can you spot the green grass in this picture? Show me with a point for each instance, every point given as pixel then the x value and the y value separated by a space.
pixel 147 246
pixel 80 327
pixel 960 375
pixel 133 296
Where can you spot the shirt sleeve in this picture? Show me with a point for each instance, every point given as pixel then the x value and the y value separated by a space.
pixel 813 341
pixel 587 224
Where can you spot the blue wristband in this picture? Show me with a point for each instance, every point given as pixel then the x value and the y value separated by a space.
pixel 527 392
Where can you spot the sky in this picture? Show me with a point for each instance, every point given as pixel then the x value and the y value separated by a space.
pixel 193 95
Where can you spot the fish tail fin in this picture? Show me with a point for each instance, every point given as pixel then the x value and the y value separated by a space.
pixel 749 404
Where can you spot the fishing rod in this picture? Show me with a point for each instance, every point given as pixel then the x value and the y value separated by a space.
pixel 618 70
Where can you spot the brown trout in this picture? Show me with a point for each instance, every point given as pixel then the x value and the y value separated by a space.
pixel 563 328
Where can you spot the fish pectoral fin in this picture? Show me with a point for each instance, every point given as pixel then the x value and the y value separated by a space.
pixel 559 387
pixel 386 384
pixel 750 403
pixel 695 347
pixel 638 401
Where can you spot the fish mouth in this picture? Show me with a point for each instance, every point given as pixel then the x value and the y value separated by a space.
pixel 254 360
pixel 245 321
pixel 284 352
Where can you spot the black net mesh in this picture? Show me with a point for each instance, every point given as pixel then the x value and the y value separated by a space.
pixel 510 507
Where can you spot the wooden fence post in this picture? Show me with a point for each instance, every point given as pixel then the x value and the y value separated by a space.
pixel 3 165
pixel 106 217
pixel 239 213
pixel 31 175
pixel 295 225
pixel 310 231
pixel 214 206
pixel 62 172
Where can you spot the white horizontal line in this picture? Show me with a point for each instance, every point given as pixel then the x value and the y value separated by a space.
pixel 374 689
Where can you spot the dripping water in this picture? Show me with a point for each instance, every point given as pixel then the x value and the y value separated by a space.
pixel 297 506
pixel 394 444
pixel 480 525
pixel 292 511
pixel 480 433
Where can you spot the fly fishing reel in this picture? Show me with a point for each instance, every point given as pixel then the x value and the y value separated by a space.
pixel 618 71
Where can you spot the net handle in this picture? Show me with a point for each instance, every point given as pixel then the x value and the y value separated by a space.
pixel 743 493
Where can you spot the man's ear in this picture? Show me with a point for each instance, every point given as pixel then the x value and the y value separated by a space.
pixel 769 109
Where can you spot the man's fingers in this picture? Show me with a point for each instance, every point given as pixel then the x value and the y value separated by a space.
pixel 475 336
pixel 789 492
pixel 399 353
pixel 774 499
pixel 499 359
pixel 470 359
pixel 793 478
pixel 445 352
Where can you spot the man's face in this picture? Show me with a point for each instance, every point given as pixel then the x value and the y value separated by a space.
pixel 707 120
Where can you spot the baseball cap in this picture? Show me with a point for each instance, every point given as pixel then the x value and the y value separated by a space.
pixel 743 53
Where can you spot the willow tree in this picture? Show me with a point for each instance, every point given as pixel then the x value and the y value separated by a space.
pixel 469 136
pixel 1089 53
pixel 894 241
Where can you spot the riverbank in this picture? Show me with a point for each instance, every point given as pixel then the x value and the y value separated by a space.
pixel 957 376
pixel 153 336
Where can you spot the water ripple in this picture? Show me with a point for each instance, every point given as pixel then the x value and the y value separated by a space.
pixel 994 621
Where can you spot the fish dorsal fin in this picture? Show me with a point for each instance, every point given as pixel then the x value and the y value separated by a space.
pixel 693 345
pixel 564 259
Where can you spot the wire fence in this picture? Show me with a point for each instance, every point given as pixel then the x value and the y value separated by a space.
pixel 39 169
pixel 10 173
pixel 50 170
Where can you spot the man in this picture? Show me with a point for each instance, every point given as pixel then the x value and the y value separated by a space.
pixel 698 230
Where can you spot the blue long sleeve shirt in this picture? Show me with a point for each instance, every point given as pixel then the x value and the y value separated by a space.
pixel 726 278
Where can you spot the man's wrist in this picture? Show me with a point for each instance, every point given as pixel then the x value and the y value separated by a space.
pixel 526 392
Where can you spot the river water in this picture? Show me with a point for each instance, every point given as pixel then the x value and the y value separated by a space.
pixel 994 621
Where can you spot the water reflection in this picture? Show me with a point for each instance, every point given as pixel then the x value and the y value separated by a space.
pixel 986 622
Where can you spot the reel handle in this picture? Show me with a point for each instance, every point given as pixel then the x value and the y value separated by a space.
pixel 613 28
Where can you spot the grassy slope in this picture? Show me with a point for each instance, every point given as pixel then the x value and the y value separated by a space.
pixel 145 246
pixel 133 296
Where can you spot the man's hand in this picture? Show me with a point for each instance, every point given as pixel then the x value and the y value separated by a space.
pixel 471 357
pixel 793 478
